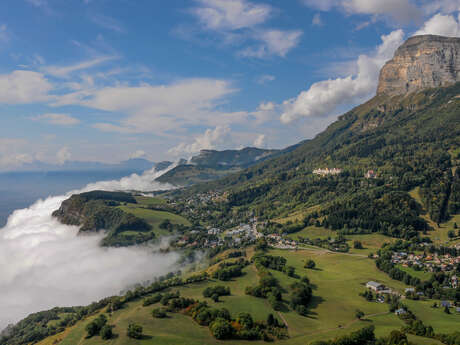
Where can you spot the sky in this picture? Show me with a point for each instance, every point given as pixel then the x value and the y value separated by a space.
pixel 109 80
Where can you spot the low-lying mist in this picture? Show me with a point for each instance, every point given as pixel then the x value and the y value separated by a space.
pixel 44 264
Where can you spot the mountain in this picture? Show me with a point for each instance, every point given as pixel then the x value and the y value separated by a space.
pixel 385 152
pixel 211 165
pixel 134 164
pixel 421 62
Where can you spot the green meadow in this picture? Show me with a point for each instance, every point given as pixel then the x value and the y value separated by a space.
pixel 337 280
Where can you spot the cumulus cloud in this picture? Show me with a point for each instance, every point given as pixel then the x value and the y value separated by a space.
pixel 403 11
pixel 231 14
pixel 324 97
pixel 240 20
pixel 21 87
pixel 57 119
pixel 273 42
pixel 44 263
pixel 210 139
pixel 138 154
pixel 260 141
pixel 63 155
pixel 443 25
pixel 444 6
pixel 156 108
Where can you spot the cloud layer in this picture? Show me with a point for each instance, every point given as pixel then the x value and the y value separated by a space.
pixel 44 263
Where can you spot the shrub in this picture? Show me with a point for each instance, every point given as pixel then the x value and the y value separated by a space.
pixel 152 299
pixel 106 332
pixel 158 313
pixel 221 329
pixel 310 264
pixel 134 331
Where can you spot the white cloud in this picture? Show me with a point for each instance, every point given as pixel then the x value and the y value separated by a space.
pixel 57 119
pixel 210 139
pixel 12 153
pixel 444 6
pixel 324 97
pixel 21 87
pixel 63 155
pixel 65 71
pixel 4 35
pixel 273 42
pixel 263 79
pixel 158 108
pixel 107 23
pixel 265 112
pixel 240 21
pixel 403 11
pixel 231 14
pixel 260 141
pixel 317 21
pixel 38 255
pixel 443 25
pixel 138 154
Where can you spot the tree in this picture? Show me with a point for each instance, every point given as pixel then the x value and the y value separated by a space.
pixel 221 329
pixel 158 313
pixel 451 234
pixel 446 310
pixel 310 264
pixel 91 329
pixel 134 331
pixel 270 320
pixel 215 297
pixel 357 244
pixel 106 332
pixel 455 226
pixel 359 314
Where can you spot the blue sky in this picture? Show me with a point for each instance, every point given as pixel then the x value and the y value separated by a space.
pixel 106 80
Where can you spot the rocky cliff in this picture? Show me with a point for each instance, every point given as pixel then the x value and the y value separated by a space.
pixel 422 62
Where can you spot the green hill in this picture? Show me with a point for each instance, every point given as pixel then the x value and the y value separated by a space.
pixel 404 142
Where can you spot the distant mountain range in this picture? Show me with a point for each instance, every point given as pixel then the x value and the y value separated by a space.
pixel 130 164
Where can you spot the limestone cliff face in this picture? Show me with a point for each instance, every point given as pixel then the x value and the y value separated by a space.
pixel 422 62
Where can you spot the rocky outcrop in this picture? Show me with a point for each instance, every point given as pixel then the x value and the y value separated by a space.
pixel 422 62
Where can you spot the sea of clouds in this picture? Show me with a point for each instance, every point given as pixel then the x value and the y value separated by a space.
pixel 44 264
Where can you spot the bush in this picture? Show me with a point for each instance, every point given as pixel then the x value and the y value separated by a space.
pixel 134 331
pixel 106 332
pixel 95 326
pixel 221 329
pixel 310 264
pixel 158 313
pixel 152 299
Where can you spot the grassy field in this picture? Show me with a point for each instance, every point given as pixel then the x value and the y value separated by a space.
pixel 153 217
pixel 338 279
pixel 422 275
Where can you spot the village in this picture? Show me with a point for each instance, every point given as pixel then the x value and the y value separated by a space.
pixel 428 262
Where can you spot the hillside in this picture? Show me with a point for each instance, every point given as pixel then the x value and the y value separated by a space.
pixel 211 165
pixel 126 220
pixel 408 141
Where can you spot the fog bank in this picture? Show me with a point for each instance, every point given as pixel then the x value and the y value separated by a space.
pixel 44 264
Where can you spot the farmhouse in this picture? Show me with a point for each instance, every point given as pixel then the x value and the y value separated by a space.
pixel 375 286
pixel 400 311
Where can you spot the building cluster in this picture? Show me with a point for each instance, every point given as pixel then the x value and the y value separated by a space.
pixel 429 263
pixel 327 171
pixel 371 174
pixel 277 241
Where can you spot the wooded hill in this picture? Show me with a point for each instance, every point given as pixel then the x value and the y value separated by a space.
pixel 408 141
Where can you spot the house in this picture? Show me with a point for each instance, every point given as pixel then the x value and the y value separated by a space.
pixel 454 281
pixel 445 304
pixel 370 174
pixel 457 309
pixel 400 311
pixel 375 286
pixel 409 290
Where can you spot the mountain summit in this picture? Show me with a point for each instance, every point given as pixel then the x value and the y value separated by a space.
pixel 422 62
